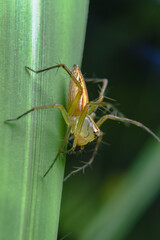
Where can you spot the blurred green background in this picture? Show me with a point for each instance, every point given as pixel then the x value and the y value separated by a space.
pixel 119 197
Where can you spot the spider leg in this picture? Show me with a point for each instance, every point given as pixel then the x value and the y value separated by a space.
pixel 78 96
pixel 83 167
pixel 104 86
pixel 60 150
pixel 101 95
pixel 108 106
pixel 61 107
pixel 126 120
pixel 57 66
pixel 93 115
pixel 71 150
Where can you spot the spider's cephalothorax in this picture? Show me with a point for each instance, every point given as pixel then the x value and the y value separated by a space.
pixel 89 131
pixel 80 114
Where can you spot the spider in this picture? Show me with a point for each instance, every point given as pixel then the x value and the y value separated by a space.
pixel 80 115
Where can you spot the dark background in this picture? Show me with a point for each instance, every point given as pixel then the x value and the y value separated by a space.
pixel 123 45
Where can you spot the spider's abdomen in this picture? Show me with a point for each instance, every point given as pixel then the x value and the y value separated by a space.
pixel 73 90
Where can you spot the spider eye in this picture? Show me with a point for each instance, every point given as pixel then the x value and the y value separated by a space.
pixel 95 134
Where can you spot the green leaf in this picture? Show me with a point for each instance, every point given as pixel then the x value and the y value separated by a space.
pixel 37 34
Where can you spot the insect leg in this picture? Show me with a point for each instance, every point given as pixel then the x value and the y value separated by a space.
pixel 82 168
pixel 61 107
pixel 126 120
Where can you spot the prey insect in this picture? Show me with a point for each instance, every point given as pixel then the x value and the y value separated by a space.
pixel 80 115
